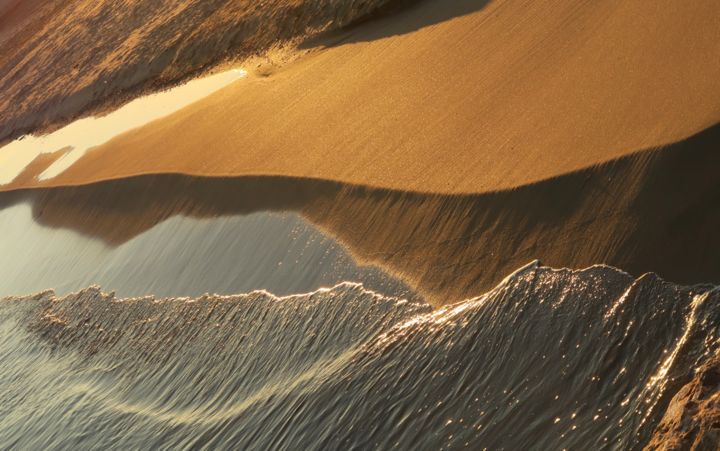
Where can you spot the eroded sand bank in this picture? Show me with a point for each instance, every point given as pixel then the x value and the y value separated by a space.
pixel 450 145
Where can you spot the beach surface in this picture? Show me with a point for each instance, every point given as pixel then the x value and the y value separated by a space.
pixel 467 137
pixel 460 97
pixel 390 200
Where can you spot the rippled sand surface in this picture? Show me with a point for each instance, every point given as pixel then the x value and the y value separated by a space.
pixel 452 97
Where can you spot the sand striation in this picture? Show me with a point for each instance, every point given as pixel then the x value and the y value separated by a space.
pixel 450 144
pixel 578 133
pixel 63 59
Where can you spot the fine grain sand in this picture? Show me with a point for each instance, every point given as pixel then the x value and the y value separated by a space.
pixel 451 97
pixel 653 211
pixel 63 59
pixel 451 142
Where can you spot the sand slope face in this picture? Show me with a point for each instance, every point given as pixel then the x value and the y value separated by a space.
pixel 464 96
pixel 61 58
pixel 16 14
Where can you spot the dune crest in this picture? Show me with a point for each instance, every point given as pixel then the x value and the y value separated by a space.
pixel 393 169
pixel 650 211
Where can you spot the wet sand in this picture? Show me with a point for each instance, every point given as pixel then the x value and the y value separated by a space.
pixel 277 252
pixel 432 144
pixel 447 145
pixel 648 212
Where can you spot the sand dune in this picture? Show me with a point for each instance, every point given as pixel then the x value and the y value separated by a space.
pixel 512 105
pixel 15 14
pixel 467 96
pixel 448 144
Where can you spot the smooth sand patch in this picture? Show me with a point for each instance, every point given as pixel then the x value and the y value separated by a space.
pixel 505 95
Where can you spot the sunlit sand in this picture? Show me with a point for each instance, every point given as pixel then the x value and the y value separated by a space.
pixel 85 134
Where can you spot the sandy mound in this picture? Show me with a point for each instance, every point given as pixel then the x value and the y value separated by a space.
pixel 652 211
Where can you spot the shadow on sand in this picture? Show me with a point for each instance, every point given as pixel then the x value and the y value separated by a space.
pixel 653 211
pixel 397 17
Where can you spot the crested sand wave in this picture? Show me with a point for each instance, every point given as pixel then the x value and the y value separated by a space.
pixel 460 96
pixel 447 247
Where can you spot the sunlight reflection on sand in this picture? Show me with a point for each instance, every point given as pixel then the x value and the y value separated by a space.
pixel 84 134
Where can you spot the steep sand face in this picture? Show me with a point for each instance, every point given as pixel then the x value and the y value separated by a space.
pixel 451 97
pixel 532 110
pixel 14 13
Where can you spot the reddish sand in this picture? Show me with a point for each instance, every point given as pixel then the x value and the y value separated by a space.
pixel 15 15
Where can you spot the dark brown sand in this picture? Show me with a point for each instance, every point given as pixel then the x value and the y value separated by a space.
pixel 15 15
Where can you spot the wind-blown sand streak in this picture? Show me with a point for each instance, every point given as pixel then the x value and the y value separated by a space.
pixel 63 59
pixel 449 146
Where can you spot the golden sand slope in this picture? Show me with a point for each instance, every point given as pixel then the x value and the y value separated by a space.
pixel 461 96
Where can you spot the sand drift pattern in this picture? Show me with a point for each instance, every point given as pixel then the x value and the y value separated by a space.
pixel 549 359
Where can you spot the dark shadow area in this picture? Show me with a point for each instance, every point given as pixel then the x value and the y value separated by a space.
pixel 653 211
pixel 159 243
pixel 396 17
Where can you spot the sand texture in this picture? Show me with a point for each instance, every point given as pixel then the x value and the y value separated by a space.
pixel 458 97
pixel 467 138
pixel 647 212
pixel 62 59
pixel 448 143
